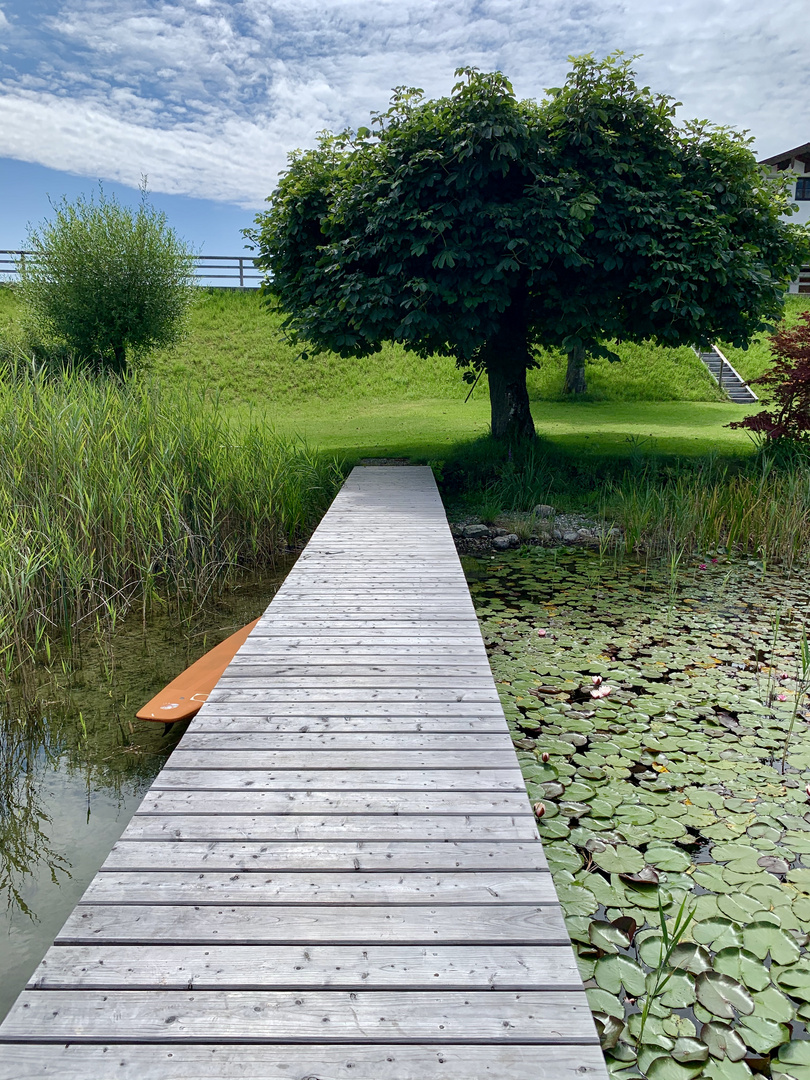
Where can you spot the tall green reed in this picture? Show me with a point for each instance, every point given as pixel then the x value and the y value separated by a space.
pixel 764 513
pixel 115 493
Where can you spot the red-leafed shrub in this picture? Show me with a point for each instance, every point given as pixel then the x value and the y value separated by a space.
pixel 787 387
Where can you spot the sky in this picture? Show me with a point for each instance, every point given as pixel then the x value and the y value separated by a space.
pixel 205 98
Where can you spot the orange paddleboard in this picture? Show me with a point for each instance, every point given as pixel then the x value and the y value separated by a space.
pixel 185 695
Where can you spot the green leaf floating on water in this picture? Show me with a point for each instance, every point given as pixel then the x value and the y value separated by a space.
pixel 577 900
pixel 666 1068
pixel 619 860
pixel 723 1041
pixel 722 995
pixel 615 971
pixel 763 1035
pixel 690 957
pixel 762 938
pixel 608 1028
pixel 743 966
pixel 679 991
pixel 608 937
pixel 727 1070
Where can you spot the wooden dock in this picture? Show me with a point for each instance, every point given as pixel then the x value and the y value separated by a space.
pixel 337 874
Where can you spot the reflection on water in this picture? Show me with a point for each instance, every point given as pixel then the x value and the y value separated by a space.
pixel 74 763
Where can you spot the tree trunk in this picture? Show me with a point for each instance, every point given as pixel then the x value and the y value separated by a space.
pixel 119 358
pixel 506 359
pixel 575 374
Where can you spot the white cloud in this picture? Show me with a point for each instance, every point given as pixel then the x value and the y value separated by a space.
pixel 207 96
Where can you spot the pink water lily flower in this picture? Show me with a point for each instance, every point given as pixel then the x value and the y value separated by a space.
pixel 702 566
pixel 601 691
pixel 596 680
pixel 781 697
pixel 542 633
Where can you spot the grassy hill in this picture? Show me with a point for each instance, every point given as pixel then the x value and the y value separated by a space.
pixel 395 403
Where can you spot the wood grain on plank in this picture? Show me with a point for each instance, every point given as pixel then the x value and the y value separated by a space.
pixel 345 967
pixel 345 855
pixel 326 780
pixel 334 802
pixel 268 887
pixel 317 742
pixel 289 924
pixel 553 1016
pixel 363 1061
pixel 345 759
pixel 328 827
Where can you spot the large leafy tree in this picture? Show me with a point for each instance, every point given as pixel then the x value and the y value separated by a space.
pixel 108 281
pixel 479 226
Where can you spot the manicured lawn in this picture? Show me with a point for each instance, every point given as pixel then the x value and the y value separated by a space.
pixel 429 428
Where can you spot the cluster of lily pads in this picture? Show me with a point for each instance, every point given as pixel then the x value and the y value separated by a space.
pixel 663 729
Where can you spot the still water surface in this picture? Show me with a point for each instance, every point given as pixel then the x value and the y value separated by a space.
pixel 75 764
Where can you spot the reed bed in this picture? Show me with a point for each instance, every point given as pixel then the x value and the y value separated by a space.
pixel 764 513
pixel 116 493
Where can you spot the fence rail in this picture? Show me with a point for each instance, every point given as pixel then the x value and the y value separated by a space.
pixel 217 271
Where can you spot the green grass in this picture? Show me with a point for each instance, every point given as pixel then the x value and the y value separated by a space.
pixel 756 359
pixel 235 348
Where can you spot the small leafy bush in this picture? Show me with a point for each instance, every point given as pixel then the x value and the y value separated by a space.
pixel 108 283
pixel 787 385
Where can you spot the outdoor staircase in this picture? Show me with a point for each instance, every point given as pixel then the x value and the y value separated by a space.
pixel 727 378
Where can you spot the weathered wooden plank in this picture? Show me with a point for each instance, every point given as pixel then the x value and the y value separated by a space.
pixel 474 684
pixel 319 707
pixel 334 802
pixel 417 626
pixel 342 759
pixel 263 887
pixel 553 1016
pixel 339 967
pixel 281 924
pixel 220 779
pixel 325 827
pixel 380 1061
pixel 358 667
pixel 420 741
pixel 222 721
pixel 347 855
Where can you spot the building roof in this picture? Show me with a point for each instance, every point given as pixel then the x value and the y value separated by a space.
pixel 783 160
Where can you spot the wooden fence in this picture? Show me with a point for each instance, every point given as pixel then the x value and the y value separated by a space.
pixel 216 271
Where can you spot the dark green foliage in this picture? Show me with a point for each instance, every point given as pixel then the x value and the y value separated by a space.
pixel 108 283
pixel 477 226
pixel 788 386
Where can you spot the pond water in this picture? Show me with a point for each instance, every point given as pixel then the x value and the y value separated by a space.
pixel 662 721
pixel 74 762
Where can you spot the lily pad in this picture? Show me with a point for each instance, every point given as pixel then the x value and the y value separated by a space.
pixel 722 995
pixel 607 936
pixel 667 858
pixel 679 991
pixel 601 1001
pixel 621 859
pixel 688 956
pixel 666 1068
pixel 723 1041
pixel 762 938
pixel 719 933
pixel 577 900
pixel 773 1005
pixel 616 971
pixel 743 966
pixel 609 1029
pixel 763 1035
